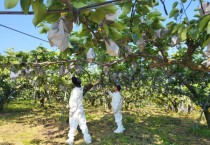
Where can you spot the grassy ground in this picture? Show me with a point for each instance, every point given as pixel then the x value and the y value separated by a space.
pixel 24 124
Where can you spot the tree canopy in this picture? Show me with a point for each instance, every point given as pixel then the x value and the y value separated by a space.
pixel 141 34
pixel 139 24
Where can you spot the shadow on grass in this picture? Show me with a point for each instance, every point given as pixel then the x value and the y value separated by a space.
pixel 150 130
pixel 202 131
pixel 142 127
pixel 14 111
pixel 49 120
pixel 6 143
pixel 28 112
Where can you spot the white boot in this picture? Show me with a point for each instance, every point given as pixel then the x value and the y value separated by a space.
pixel 119 129
pixel 87 138
pixel 69 142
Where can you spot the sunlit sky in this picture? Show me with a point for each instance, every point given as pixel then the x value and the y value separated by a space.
pixel 20 42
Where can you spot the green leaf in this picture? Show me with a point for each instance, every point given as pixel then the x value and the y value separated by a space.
pixel 161 18
pixel 152 3
pixel 44 29
pixel 145 9
pixel 197 16
pixel 114 33
pixel 86 12
pixel 39 57
pixel 25 5
pixel 89 44
pixel 97 16
pixel 135 28
pixel 193 33
pixel 74 38
pixel 208 28
pixel 203 23
pixel 136 21
pixel 118 26
pixel 52 17
pixel 10 51
pixel 49 2
pixel 14 62
pixel 173 12
pixel 111 9
pixel 8 4
pixel 78 4
pixel 183 1
pixel 125 10
pixel 206 42
pixel 40 12
pixel 153 14
pixel 174 5
pixel 176 28
pixel 149 22
pixel 157 24
pixel 135 37
pixel 183 35
pixel 106 28
pixel 181 29
pixel 83 32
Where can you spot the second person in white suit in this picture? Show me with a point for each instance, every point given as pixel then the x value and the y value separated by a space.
pixel 117 108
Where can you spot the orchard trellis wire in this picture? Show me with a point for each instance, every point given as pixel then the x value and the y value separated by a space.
pixel 91 6
pixel 23 33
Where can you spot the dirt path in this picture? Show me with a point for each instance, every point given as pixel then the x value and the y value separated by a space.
pixel 147 126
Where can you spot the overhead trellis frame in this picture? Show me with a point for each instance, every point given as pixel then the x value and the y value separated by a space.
pixel 202 6
pixel 155 59
pixel 23 33
pixel 31 12
pixel 132 15
pixel 75 10
pixel 164 6
pixel 184 11
pixel 70 8
pixel 182 5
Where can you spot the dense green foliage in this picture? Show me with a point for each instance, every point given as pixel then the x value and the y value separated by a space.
pixel 147 71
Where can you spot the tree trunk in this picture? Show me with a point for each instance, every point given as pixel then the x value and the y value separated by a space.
pixel 93 102
pixel 34 97
pixel 127 104
pixel 101 102
pixel 2 103
pixel 42 102
pixel 207 116
pixel 109 105
pixel 175 106
pixel 1 106
pixel 189 109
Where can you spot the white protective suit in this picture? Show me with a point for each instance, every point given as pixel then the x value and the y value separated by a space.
pixel 116 107
pixel 77 116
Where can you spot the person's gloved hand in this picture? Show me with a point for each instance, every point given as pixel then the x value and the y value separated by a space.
pixel 114 111
pixel 71 74
pixel 107 91
pixel 71 114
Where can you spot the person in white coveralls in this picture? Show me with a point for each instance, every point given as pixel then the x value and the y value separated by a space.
pixel 117 107
pixel 77 113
